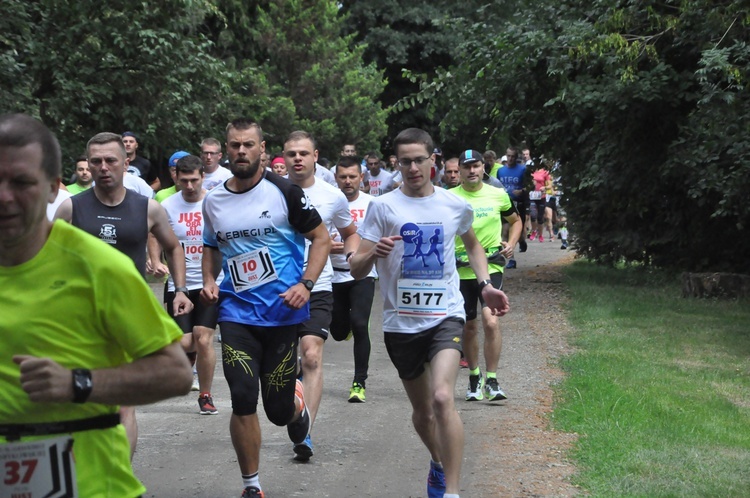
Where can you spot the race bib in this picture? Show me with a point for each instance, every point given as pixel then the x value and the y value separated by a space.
pixel 422 297
pixel 193 250
pixel 44 468
pixel 535 195
pixel 251 269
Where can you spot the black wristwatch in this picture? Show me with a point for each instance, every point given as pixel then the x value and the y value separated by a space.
pixel 484 283
pixel 82 384
pixel 184 290
pixel 309 284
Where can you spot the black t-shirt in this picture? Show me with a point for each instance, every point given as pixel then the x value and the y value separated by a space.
pixel 140 166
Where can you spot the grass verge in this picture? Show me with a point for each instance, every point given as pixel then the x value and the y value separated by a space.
pixel 658 389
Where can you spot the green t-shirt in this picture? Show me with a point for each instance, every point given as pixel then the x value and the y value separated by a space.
pixel 83 304
pixel 74 188
pixel 488 203
pixel 495 168
pixel 164 193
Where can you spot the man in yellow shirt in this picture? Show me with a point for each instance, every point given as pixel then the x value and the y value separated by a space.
pixel 77 348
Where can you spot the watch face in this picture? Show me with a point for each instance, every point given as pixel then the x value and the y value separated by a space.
pixel 308 284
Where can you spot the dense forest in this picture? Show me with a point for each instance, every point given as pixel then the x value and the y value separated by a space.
pixel 643 104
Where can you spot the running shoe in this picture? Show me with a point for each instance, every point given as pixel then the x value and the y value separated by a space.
pixel 300 428
pixel 252 491
pixel 493 391
pixel 357 393
pixel 304 450
pixel 522 245
pixel 462 363
pixel 532 236
pixel 474 393
pixel 435 482
pixel 541 238
pixel 564 245
pixel 196 385
pixel 206 405
pixel 510 264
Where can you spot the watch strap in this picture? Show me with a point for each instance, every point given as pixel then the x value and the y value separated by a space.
pixel 82 384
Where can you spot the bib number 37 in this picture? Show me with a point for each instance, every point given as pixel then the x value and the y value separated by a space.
pixel 42 468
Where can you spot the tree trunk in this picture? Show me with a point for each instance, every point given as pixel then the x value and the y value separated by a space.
pixel 725 285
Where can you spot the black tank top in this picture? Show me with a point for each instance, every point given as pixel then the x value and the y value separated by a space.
pixel 124 226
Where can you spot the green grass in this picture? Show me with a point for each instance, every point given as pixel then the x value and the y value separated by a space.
pixel 658 388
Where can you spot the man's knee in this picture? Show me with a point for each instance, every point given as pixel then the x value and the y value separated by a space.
pixel 311 352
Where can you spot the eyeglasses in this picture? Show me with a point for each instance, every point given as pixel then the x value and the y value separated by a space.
pixel 406 163
pixel 209 153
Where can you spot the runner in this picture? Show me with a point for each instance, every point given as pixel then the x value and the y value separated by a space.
pixel 352 299
pixel 301 154
pixel 490 206
pixel 124 219
pixel 66 298
pixel 423 313
pixel 184 210
pixel 255 226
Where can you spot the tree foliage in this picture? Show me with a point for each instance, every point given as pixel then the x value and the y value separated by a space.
pixel 177 71
pixel 87 66
pixel 645 104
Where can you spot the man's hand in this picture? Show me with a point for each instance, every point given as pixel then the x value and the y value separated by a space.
pixel 337 246
pixel 296 296
pixel 385 245
pixel 44 380
pixel 159 270
pixel 182 305
pixel 507 250
pixel 210 294
pixel 496 300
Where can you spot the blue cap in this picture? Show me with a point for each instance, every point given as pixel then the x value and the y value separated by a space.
pixel 129 134
pixel 176 157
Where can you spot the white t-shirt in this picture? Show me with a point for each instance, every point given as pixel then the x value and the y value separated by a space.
pixel 333 209
pixel 380 184
pixel 136 184
pixel 210 180
pixel 326 175
pixel 52 206
pixel 418 279
pixel 358 209
pixel 186 220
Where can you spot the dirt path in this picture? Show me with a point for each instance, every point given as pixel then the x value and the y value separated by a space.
pixel 371 449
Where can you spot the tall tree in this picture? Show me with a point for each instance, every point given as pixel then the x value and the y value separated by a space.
pixel 400 36
pixel 644 102
pixel 86 66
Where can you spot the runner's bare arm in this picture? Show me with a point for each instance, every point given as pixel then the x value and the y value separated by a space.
pixel 351 239
pixel 297 295
pixel 65 211
pixel 210 267
pixel 154 265
pixel 162 374
pixel 495 299
pixel 513 234
pixel 368 252
pixel 159 226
